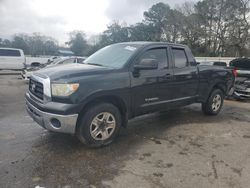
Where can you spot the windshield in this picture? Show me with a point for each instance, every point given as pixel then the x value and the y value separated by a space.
pixel 112 56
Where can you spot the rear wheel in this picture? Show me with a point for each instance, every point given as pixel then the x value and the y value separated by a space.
pixel 214 103
pixel 99 125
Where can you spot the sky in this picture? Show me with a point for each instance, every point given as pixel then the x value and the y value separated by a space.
pixel 56 18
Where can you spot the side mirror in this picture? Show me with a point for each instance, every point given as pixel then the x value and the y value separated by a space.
pixel 146 64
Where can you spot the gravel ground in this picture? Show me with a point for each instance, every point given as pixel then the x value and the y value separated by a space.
pixel 179 148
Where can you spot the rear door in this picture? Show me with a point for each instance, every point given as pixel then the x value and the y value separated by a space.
pixel 11 59
pixel 186 80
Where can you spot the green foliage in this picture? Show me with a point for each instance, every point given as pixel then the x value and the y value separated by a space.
pixel 115 33
pixel 157 16
pixel 78 43
pixel 20 41
pixel 143 32
pixel 34 44
pixel 209 27
pixel 5 43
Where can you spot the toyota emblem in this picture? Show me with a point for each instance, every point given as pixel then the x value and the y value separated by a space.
pixel 33 87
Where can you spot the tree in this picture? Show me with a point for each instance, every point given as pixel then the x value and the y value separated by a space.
pixel 209 27
pixel 5 43
pixel 238 29
pixel 21 41
pixel 78 43
pixel 143 32
pixel 115 33
pixel 157 17
pixel 51 47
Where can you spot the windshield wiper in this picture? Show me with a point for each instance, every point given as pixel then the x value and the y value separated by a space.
pixel 95 64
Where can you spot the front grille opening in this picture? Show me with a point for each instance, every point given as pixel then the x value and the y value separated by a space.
pixel 36 88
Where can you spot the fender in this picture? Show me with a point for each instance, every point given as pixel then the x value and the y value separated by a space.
pixel 121 96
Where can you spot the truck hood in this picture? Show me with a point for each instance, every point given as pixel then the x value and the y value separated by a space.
pixel 69 71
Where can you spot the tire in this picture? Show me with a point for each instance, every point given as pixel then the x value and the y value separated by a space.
pixel 100 125
pixel 214 103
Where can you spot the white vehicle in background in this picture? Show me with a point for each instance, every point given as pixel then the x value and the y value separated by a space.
pixel 11 59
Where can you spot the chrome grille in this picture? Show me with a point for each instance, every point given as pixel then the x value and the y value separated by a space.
pixel 36 88
pixel 247 83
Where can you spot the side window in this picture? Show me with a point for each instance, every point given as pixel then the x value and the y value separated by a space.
pixel 220 64
pixel 80 60
pixel 180 58
pixel 7 52
pixel 67 61
pixel 159 54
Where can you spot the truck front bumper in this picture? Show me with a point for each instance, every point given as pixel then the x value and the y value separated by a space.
pixel 53 122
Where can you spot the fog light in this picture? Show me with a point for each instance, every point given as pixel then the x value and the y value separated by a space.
pixel 55 123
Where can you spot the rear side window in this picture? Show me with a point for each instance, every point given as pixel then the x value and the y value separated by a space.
pixel 220 64
pixel 159 54
pixel 180 58
pixel 7 52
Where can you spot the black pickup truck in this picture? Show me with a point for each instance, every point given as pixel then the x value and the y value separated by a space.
pixel 119 82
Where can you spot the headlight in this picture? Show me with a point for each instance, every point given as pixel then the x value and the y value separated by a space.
pixel 63 90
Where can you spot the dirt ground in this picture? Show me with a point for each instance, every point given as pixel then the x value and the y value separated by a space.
pixel 179 148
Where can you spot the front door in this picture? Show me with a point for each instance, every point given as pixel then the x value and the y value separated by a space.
pixel 151 88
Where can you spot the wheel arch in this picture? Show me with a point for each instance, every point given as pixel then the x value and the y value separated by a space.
pixel 112 99
pixel 219 85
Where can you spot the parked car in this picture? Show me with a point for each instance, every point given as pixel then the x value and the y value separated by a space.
pixel 119 82
pixel 57 61
pixel 50 60
pixel 12 59
pixel 66 60
pixel 242 83
pixel 33 62
pixel 214 63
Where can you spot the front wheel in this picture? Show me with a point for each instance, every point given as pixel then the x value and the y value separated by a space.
pixel 214 103
pixel 99 125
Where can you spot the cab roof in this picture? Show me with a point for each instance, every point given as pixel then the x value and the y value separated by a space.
pixel 148 43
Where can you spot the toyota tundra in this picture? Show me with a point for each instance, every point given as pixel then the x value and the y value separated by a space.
pixel 119 82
